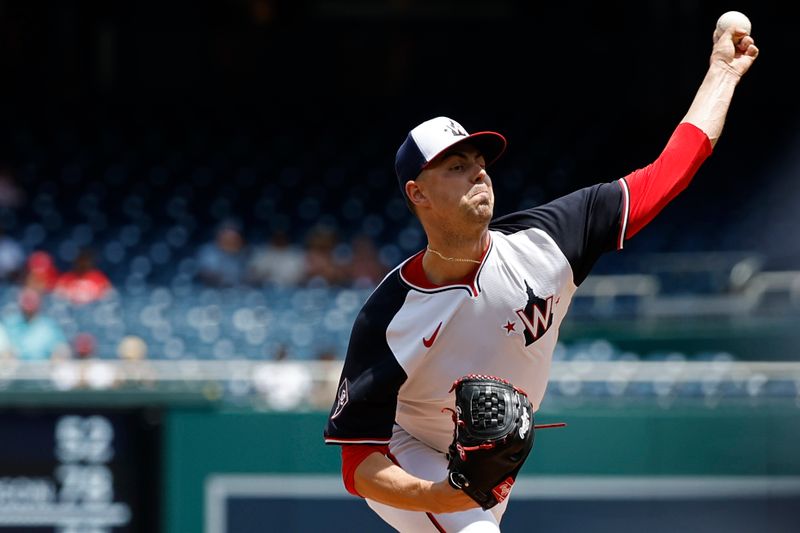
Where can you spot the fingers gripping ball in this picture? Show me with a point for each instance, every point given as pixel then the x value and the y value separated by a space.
pixel 734 19
pixel 492 438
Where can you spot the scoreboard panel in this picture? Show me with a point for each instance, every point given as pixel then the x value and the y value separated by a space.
pixel 79 470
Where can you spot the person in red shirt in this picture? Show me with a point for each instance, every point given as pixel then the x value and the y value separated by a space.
pixel 85 282
pixel 41 272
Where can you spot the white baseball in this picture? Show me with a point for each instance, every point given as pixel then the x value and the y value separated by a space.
pixel 736 19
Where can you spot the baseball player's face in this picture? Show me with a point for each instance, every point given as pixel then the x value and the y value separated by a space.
pixel 457 187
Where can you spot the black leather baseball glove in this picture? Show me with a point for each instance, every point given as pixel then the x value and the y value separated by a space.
pixel 492 438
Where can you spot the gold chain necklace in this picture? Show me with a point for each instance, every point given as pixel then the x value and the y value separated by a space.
pixel 455 259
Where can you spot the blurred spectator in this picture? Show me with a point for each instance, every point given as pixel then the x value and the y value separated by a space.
pixel 284 384
pixel 221 262
pixel 66 374
pixel 321 262
pixel 95 373
pixel 84 282
pixel 132 351
pixel 12 258
pixel 33 335
pixel 278 262
pixel 6 351
pixel 41 272
pixel 366 268
pixel 84 345
pixel 329 368
pixel 12 195
pixel 132 348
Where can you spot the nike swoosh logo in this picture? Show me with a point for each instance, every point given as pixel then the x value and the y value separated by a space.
pixel 429 342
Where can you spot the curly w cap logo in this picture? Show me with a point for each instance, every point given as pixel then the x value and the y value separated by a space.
pixel 455 129
pixel 342 397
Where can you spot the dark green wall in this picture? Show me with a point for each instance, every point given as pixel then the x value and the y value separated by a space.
pixel 757 438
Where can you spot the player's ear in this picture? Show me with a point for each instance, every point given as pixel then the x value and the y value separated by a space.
pixel 415 194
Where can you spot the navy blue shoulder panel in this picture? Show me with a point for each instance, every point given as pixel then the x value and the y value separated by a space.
pixel 584 224
pixel 365 406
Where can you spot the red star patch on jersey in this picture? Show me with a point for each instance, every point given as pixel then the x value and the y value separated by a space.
pixel 509 327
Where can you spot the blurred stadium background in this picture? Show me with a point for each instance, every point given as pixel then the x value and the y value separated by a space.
pixel 228 167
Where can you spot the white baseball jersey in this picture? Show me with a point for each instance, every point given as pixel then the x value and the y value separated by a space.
pixel 412 339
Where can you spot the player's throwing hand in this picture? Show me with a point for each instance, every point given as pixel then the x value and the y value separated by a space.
pixel 736 50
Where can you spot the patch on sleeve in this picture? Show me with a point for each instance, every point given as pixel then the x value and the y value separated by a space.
pixel 342 396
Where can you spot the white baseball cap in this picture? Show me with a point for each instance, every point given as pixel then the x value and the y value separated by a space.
pixel 428 140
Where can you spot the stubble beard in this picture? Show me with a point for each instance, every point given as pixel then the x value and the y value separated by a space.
pixel 482 212
pixel 475 221
pixel 468 223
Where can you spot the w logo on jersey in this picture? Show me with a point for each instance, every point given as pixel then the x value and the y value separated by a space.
pixel 537 315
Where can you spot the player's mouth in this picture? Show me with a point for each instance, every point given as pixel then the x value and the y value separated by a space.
pixel 479 192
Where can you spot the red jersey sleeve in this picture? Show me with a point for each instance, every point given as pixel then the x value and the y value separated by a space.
pixel 352 456
pixel 646 191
